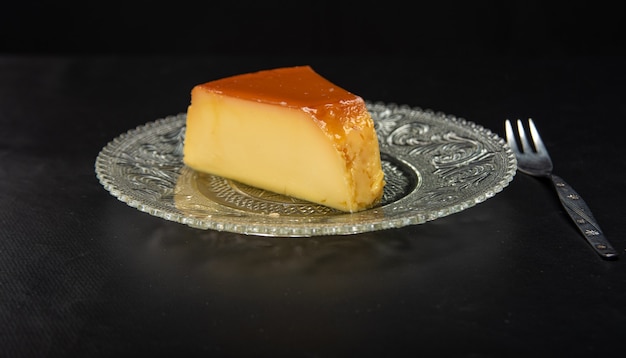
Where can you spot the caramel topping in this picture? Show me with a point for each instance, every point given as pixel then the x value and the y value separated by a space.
pixel 298 86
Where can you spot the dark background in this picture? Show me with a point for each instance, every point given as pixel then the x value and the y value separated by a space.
pixel 276 27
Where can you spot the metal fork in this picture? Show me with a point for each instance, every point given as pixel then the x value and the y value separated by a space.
pixel 535 160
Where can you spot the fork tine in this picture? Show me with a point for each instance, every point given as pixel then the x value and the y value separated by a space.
pixel 534 133
pixel 522 136
pixel 510 136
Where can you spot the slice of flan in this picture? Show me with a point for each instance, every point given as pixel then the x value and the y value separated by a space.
pixel 290 131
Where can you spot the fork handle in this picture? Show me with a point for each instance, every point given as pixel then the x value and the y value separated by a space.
pixel 582 217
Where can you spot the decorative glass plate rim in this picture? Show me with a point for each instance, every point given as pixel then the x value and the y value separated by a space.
pixel 397 214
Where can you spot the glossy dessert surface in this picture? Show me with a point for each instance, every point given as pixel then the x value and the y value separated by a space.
pixel 290 131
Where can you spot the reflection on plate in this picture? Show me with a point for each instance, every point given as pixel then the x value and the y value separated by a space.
pixel 435 165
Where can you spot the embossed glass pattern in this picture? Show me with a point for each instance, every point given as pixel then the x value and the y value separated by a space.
pixel 435 165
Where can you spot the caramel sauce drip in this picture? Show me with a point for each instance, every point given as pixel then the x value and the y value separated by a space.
pixel 298 87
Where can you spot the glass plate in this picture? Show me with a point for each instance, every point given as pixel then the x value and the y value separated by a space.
pixel 435 165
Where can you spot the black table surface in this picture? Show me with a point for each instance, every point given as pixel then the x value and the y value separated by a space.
pixel 83 274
